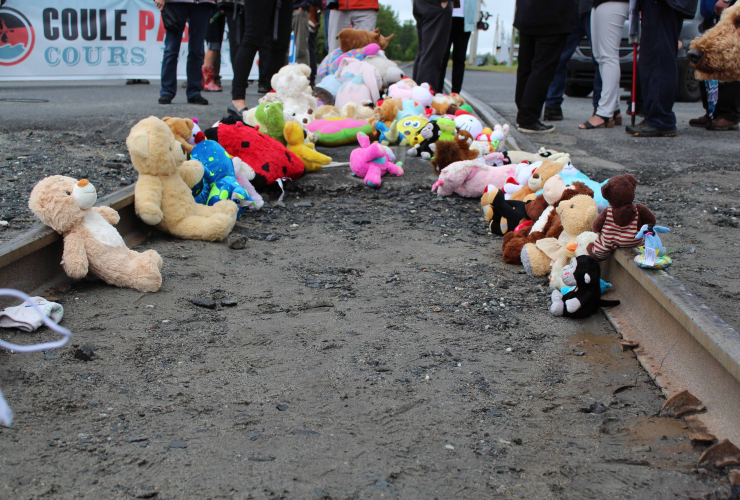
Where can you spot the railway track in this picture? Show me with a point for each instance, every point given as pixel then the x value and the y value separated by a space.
pixel 687 349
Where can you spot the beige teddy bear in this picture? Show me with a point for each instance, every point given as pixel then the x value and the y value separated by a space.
pixel 91 244
pixel 163 191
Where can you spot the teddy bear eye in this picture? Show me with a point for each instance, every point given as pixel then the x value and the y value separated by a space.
pixel 572 206
pixel 68 193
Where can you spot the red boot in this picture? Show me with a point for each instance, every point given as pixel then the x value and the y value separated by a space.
pixel 209 85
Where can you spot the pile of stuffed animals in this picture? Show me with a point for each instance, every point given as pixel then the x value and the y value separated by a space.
pixel 195 183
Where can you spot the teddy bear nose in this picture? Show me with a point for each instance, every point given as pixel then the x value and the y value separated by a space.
pixel 695 55
pixel 83 183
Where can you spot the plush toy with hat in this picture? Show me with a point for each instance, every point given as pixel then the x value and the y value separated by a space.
pixel 470 178
pixel 312 159
pixel 618 225
pixel 576 216
pixel 371 162
pixel 91 244
pixel 585 299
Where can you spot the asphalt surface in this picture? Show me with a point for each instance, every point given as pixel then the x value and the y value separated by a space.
pixel 691 182
pixel 378 348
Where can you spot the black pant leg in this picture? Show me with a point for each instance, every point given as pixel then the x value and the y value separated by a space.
pixel 280 41
pixel 431 59
pixel 312 54
pixel 460 39
pixel 547 50
pixel 257 27
pixel 526 54
pixel 419 17
pixel 728 102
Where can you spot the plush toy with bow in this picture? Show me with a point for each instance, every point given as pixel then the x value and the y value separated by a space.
pixel 585 299
pixel 371 162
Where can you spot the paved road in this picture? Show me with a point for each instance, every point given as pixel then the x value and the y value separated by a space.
pixel 691 182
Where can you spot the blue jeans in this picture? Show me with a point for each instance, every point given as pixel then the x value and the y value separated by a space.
pixel 581 28
pixel 198 15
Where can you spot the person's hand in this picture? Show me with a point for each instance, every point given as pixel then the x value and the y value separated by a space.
pixel 720 7
pixel 444 4
pixel 159 4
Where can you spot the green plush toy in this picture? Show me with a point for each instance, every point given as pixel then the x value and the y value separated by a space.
pixel 467 107
pixel 446 129
pixel 270 114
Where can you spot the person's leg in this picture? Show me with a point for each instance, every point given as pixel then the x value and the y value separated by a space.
pixel 326 29
pixel 171 50
pixel 338 20
pixel 459 51
pixel 547 52
pixel 596 96
pixel 262 65
pixel 728 102
pixel 436 30
pixel 364 19
pixel 524 69
pixel 312 55
pixel 556 90
pixel 256 32
pixel 658 68
pixel 198 19
pixel 280 38
pixel 450 41
pixel 300 29
pixel 419 18
pixel 607 24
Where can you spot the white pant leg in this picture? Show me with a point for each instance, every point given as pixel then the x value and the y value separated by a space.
pixel 338 20
pixel 364 19
pixel 607 23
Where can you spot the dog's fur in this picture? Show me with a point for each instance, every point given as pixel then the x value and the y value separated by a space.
pixel 720 49
pixel 447 152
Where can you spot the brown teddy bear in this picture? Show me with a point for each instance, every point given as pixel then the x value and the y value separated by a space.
pixel 350 39
pixel 163 190
pixel 577 215
pixel 182 129
pixel 538 179
pixel 458 149
pixel 91 244
pixel 546 222
pixel 618 225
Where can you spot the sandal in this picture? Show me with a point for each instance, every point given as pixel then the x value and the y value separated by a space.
pixel 617 117
pixel 587 125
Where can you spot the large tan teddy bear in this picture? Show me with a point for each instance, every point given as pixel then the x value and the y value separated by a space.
pixel 163 191
pixel 577 215
pixel 91 244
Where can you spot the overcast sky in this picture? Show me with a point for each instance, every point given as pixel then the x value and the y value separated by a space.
pixel 504 8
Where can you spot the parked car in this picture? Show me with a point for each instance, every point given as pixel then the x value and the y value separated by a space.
pixel 580 76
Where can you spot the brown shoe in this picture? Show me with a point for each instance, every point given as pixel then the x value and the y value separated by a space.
pixel 702 122
pixel 722 124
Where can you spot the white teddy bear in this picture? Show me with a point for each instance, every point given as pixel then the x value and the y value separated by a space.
pixel 292 88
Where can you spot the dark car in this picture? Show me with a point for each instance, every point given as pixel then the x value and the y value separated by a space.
pixel 580 76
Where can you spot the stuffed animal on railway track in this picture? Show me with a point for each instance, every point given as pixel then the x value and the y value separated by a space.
pixel 585 299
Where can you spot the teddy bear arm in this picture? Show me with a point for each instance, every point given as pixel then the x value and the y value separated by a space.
pixel 599 222
pixel 191 172
pixel 109 214
pixel 148 199
pixel 572 305
pixel 74 256
pixel 644 215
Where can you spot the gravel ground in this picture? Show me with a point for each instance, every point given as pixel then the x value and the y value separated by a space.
pixel 691 183
pixel 364 344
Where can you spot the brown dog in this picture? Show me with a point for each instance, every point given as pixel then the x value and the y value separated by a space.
pixel 714 55
pixel 350 39
pixel 447 152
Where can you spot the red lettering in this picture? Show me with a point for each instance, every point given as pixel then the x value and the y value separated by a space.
pixel 146 22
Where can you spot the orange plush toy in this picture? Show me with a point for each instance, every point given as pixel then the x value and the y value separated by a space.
pixel 350 39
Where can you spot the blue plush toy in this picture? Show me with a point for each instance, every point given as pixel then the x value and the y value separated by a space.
pixel 219 180
pixel 410 108
pixel 571 174
pixel 653 254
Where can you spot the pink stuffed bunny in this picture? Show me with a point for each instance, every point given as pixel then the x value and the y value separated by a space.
pixel 371 161
pixel 469 178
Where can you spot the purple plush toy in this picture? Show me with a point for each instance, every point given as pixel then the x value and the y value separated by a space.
pixel 371 161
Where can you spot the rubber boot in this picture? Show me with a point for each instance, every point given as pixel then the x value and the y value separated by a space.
pixel 208 84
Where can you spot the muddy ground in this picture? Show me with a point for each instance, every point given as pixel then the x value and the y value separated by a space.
pixel 378 348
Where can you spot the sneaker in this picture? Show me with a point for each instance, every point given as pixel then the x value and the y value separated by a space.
pixel 165 99
pixel 198 99
pixel 702 122
pixel 722 124
pixel 137 81
pixel 263 89
pixel 536 128
pixel 553 115
pixel 644 130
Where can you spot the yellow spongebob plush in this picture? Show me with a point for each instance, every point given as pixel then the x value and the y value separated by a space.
pixel 312 159
pixel 408 128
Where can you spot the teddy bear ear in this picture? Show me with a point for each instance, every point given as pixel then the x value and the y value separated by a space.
pixel 190 123
pixel 587 278
pixel 139 144
pixel 630 178
pixel 166 118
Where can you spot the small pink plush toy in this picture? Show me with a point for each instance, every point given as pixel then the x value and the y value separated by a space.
pixel 371 161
